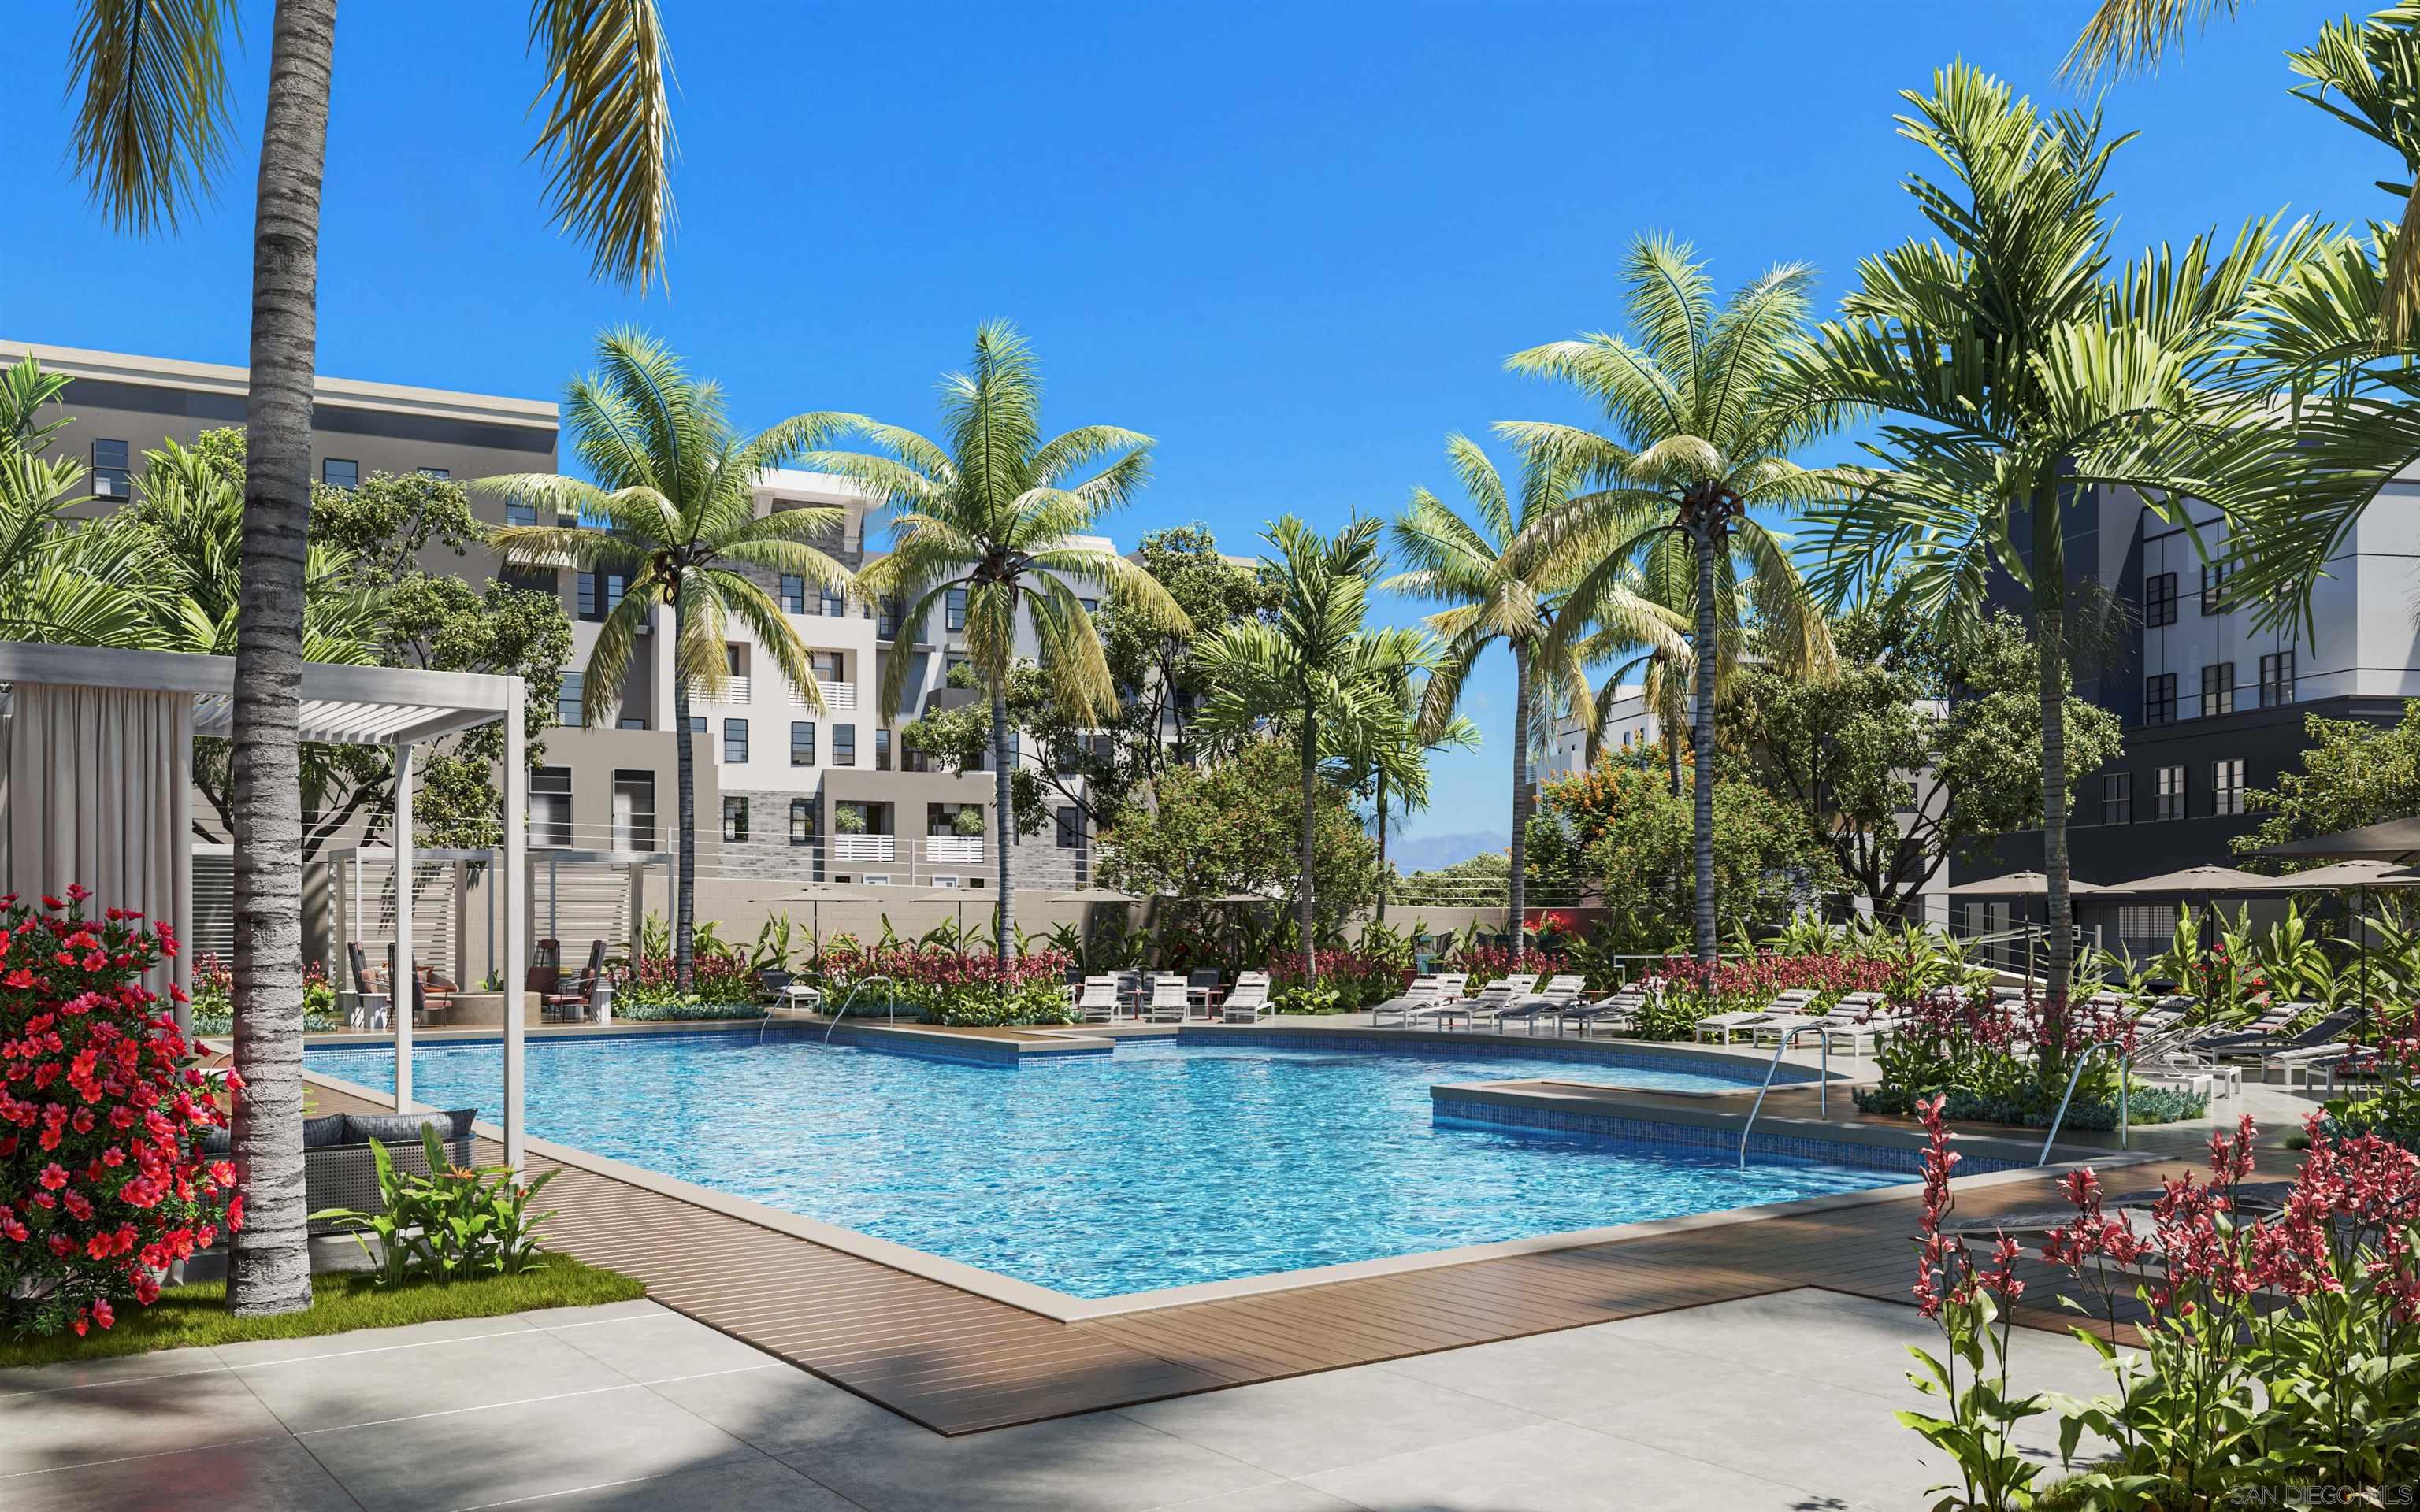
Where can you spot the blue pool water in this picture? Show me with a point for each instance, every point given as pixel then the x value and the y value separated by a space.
pixel 1163 1165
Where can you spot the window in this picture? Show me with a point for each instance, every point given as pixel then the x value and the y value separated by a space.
pixel 338 473
pixel 882 749
pixel 1092 606
pixel 953 614
pixel 802 821
pixel 634 810
pixel 886 625
pixel 697 724
pixel 2118 798
pixel 843 745
pixel 2213 588
pixel 2159 600
pixel 631 721
pixel 735 740
pixel 794 594
pixel 802 742
pixel 2218 689
pixel 1071 829
pixel 2277 679
pixel 835 608
pixel 1069 758
pixel 2169 793
pixel 110 478
pixel 517 513
pixel 550 805
pixel 601 593
pixel 2159 698
pixel 826 665
pixel 735 820
pixel 2227 786
pixel 440 474
pixel 567 700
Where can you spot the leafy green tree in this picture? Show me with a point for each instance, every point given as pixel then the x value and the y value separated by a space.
pixel 1919 746
pixel 1313 674
pixel 2353 773
pixel 675 486
pixel 151 135
pixel 2015 375
pixel 1476 883
pixel 61 580
pixel 993 515
pixel 1232 826
pixel 1502 586
pixel 1701 434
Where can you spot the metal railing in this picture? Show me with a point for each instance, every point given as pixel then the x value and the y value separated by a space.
pixel 854 988
pixel 2077 1075
pixel 1823 1092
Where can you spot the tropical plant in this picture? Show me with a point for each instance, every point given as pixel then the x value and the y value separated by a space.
pixel 672 508
pixel 151 135
pixel 993 524
pixel 453 1222
pixel 2014 376
pixel 1701 436
pixel 1312 672
pixel 61 580
pixel 1501 587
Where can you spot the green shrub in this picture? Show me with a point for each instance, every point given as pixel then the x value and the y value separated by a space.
pixel 2026 1109
pixel 451 1224
pixel 683 1009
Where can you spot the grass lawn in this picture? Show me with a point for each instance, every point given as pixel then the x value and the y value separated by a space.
pixel 196 1313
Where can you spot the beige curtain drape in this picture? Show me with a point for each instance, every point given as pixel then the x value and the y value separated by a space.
pixel 97 787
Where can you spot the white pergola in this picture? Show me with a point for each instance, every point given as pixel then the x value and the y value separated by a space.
pixel 79 711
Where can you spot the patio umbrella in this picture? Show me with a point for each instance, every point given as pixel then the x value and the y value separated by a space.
pixel 2396 840
pixel 2018 885
pixel 1094 895
pixel 2206 880
pixel 2358 876
pixel 835 893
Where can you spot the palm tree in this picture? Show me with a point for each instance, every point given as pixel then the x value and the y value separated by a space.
pixel 2013 373
pixel 2371 65
pixel 1501 588
pixel 151 135
pixel 675 491
pixel 992 516
pixel 1701 433
pixel 1312 671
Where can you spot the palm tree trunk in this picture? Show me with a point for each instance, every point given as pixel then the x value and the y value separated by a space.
pixel 1382 845
pixel 269 1270
pixel 1702 732
pixel 1309 808
pixel 2059 903
pixel 684 783
pixel 1672 753
pixel 1004 935
pixel 1519 898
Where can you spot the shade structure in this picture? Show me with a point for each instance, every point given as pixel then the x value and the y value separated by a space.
pixel 2342 876
pixel 2205 879
pixel 2016 884
pixel 1094 895
pixel 2396 840
pixel 1221 898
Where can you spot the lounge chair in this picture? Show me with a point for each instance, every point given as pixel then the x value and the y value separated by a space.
pixel 1423 996
pixel 1558 995
pixel 1249 1001
pixel 1203 987
pixel 1169 1002
pixel 579 1002
pixel 1096 1001
pixel 1791 1004
pixel 1619 1012
pixel 1491 1000
pixel 372 1001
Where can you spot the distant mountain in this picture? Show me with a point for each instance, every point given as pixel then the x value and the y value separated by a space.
pixel 1426 853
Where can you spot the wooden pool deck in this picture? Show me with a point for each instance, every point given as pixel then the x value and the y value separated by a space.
pixel 959 1363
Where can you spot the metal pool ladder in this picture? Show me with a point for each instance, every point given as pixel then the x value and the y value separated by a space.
pixel 2077 1074
pixel 854 988
pixel 1823 1087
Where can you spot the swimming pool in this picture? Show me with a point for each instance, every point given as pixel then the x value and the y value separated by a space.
pixel 1165 1163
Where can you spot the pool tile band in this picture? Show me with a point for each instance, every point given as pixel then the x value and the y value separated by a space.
pixel 1774 1144
pixel 1745 1070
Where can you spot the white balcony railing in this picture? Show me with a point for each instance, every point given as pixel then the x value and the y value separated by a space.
pixel 953 848
pixel 836 695
pixel 736 689
pixel 866 847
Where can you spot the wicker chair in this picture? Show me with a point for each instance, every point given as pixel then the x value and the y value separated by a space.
pixel 339 1168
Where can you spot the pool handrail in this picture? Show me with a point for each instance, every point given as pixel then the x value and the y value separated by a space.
pixel 1823 1087
pixel 2124 1060
pixel 856 987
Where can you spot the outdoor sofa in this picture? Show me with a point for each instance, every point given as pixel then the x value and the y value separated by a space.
pixel 340 1170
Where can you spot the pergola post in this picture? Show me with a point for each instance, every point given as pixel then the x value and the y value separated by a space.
pixel 405 989
pixel 516 867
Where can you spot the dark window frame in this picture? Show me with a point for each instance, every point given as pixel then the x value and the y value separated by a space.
pixel 737 727
pixel 2159 698
pixel 2117 797
pixel 2159 600
pixel 2168 793
pixel 2217 689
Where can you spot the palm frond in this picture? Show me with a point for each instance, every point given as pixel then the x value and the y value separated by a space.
pixel 608 138
pixel 152 116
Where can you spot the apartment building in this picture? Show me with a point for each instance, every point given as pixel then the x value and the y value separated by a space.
pixel 785 793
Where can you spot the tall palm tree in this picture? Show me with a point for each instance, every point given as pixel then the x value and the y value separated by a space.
pixel 1700 433
pixel 1312 671
pixel 675 491
pixel 992 513
pixel 1501 588
pixel 152 133
pixel 2013 374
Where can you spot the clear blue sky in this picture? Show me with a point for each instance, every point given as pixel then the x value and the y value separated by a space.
pixel 1292 242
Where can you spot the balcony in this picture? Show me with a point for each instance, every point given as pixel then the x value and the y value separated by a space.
pixel 941 849
pixel 835 695
pixel 866 847
pixel 738 688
